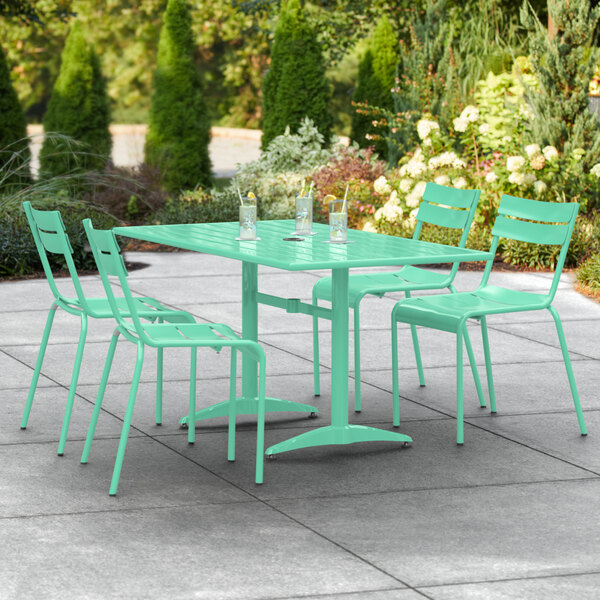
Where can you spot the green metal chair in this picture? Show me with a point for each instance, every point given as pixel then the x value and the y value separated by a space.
pixel 50 236
pixel 165 335
pixel 519 219
pixel 441 206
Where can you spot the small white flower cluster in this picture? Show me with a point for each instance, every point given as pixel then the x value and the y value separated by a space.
pixel 391 210
pixel 381 186
pixel 425 127
pixel 415 166
pixel 516 164
pixel 446 159
pixel 470 114
pixel 550 153
pixel 595 170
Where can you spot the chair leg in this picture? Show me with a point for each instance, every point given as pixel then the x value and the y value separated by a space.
pixel 569 368
pixel 159 382
pixel 460 434
pixel 488 364
pixel 417 350
pixel 232 407
pixel 395 390
pixel 316 368
pixel 72 388
pixel 38 365
pixel 98 404
pixel 357 396
pixel 260 423
pixel 474 370
pixel 114 484
pixel 192 404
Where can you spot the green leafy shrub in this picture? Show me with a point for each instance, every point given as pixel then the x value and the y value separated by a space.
pixel 295 85
pixel 276 177
pixel 179 126
pixel 14 147
pixel 79 109
pixel 198 206
pixel 588 274
pixel 18 254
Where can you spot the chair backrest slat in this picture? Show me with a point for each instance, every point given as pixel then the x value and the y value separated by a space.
pixel 535 210
pixel 532 233
pixel 55 241
pixel 442 216
pixel 440 194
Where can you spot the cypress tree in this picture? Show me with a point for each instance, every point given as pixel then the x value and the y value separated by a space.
pixel 78 108
pixel 14 145
pixel 564 64
pixel 179 125
pixel 376 78
pixel 295 85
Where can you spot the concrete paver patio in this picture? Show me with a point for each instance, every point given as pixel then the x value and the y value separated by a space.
pixel 511 514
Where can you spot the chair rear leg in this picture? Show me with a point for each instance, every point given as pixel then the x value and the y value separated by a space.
pixel 395 390
pixel 114 484
pixel 38 365
pixel 98 404
pixel 260 423
pixel 192 403
pixel 357 394
pixel 460 433
pixel 72 388
pixel 417 350
pixel 474 370
pixel 316 368
pixel 488 365
pixel 232 407
pixel 569 368
pixel 159 382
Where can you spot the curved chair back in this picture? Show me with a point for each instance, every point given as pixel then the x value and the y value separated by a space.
pixel 49 234
pixel 535 222
pixel 110 262
pixel 447 207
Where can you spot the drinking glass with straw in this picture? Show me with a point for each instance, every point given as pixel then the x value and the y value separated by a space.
pixel 247 217
pixel 304 211
pixel 338 219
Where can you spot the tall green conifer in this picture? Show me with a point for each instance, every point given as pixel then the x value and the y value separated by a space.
pixel 564 65
pixel 14 147
pixel 179 127
pixel 79 108
pixel 376 77
pixel 295 85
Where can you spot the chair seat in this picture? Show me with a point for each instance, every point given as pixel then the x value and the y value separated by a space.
pixel 214 335
pixel 148 308
pixel 446 311
pixel 377 284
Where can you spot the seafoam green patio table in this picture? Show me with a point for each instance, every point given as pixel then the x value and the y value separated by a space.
pixel 365 249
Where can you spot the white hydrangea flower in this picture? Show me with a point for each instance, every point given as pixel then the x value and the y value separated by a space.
pixel 381 185
pixel 459 183
pixel 419 189
pixel 378 214
pixel 391 211
pixel 595 170
pixel 529 179
pixel 369 226
pixel 460 124
pixel 470 113
pixel 425 127
pixel 491 177
pixel 442 180
pixel 550 153
pixel 537 162
pixel 515 163
pixel 412 200
pixel 507 139
pixel 459 163
pixel 405 185
pixel 416 167
pixel 434 162
pixel 484 128
pixel 532 150
pixel 539 187
pixel 427 142
pixel 517 178
pixel 446 159
pixel 394 198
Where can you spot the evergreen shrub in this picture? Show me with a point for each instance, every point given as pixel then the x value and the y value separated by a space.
pixel 79 108
pixel 14 145
pixel 295 86
pixel 179 124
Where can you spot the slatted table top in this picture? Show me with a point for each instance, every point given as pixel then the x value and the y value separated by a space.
pixel 366 249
